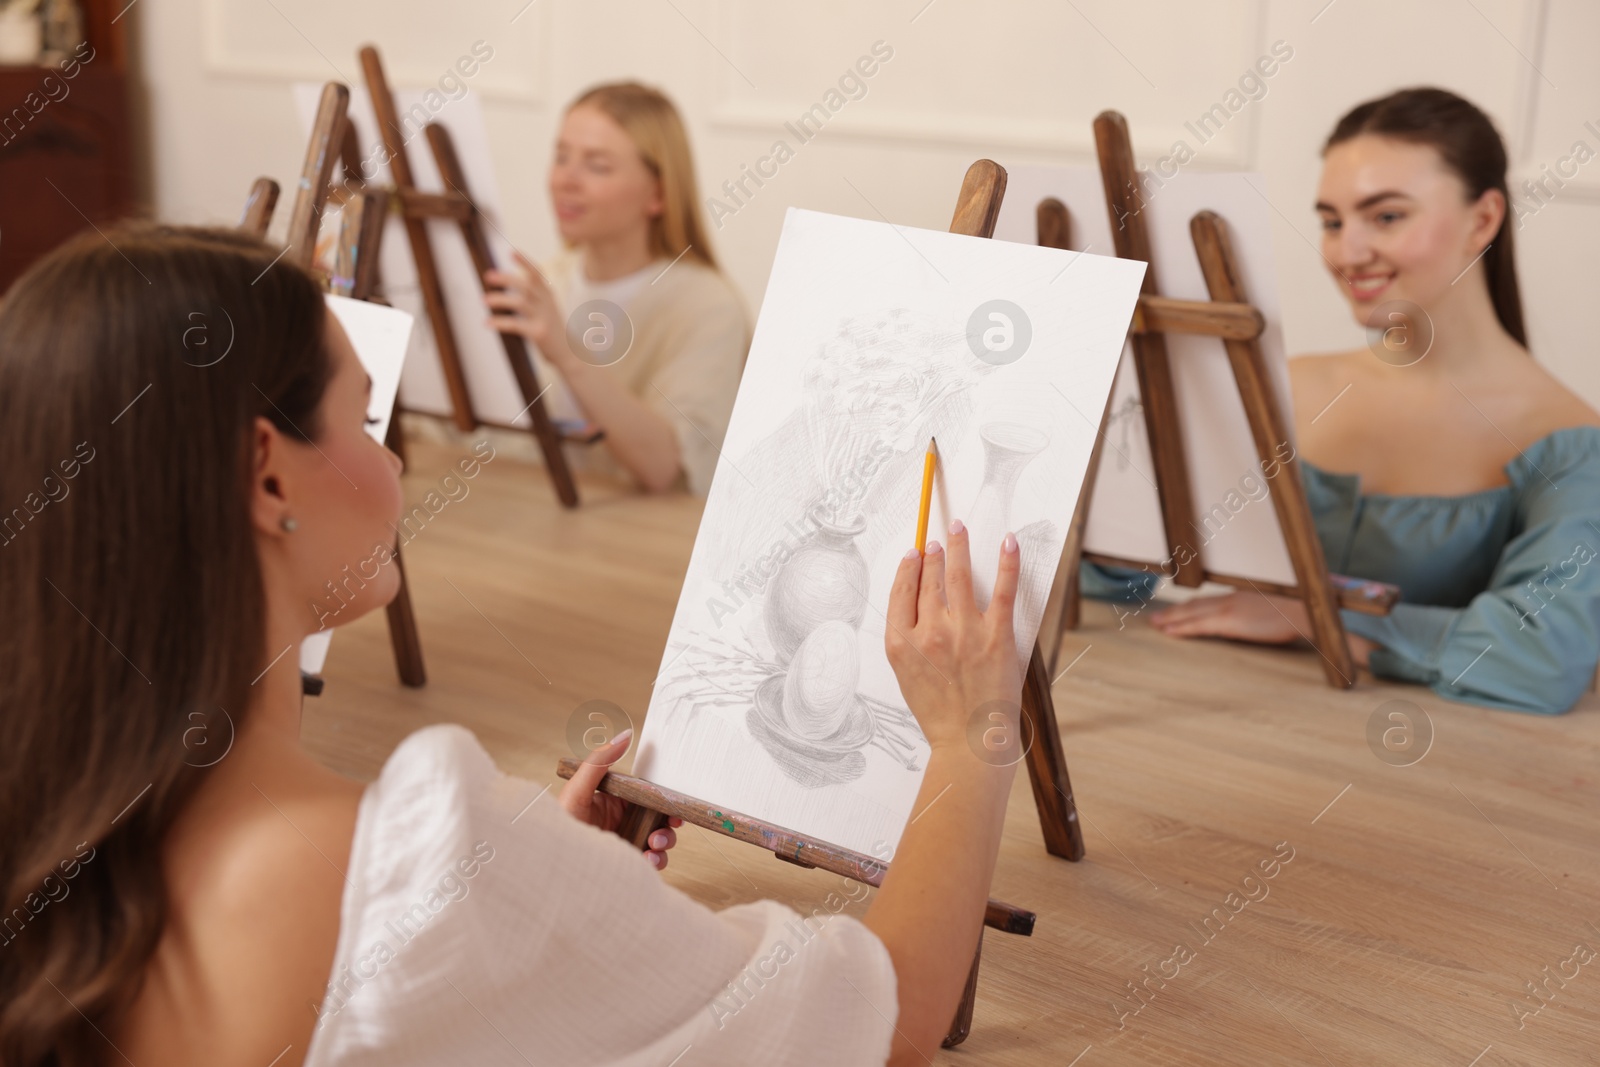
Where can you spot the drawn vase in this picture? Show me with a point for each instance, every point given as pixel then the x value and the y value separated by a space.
pixel 1008 447
pixel 824 581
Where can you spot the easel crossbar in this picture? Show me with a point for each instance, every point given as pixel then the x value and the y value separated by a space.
pixel 796 848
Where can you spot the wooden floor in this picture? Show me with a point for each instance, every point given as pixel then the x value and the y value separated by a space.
pixel 1418 903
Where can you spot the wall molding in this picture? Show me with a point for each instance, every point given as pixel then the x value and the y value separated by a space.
pixel 1534 95
pixel 524 83
pixel 930 127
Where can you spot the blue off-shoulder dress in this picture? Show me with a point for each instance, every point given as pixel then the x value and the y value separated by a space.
pixel 1499 590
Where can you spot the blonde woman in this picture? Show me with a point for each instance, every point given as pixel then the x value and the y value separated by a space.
pixel 646 336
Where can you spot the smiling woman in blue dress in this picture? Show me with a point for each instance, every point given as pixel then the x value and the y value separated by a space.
pixel 1445 460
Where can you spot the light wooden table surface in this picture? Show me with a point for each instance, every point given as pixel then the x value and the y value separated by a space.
pixel 1418 903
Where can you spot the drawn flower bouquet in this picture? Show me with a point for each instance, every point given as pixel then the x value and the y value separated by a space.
pixel 878 385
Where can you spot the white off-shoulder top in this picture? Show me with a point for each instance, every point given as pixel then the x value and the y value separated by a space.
pixel 482 924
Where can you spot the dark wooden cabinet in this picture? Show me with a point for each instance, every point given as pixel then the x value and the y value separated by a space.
pixel 65 151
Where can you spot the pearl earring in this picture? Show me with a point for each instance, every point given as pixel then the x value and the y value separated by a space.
pixel 289 524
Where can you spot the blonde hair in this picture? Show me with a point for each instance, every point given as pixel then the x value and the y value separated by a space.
pixel 654 125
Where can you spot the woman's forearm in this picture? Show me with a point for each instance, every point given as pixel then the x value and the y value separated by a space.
pixel 640 438
pixel 929 911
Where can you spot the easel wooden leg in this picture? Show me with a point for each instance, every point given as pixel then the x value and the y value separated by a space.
pixel 1125 200
pixel 544 430
pixel 1047 766
pixel 259 207
pixel 1270 432
pixel 392 133
pixel 1062 609
pixel 638 823
pixel 312 195
pixel 403 632
pixel 444 337
pixel 962 1026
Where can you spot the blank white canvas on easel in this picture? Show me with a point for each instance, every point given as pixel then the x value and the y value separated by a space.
pixel 1125 510
pixel 775 696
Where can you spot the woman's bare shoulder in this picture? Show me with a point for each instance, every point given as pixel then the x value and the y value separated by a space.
pixel 256 884
pixel 1558 406
pixel 1314 367
pixel 1315 380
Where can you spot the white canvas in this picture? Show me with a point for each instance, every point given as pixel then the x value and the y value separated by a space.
pixel 1237 530
pixel 775 697
pixel 490 383
pixel 379 335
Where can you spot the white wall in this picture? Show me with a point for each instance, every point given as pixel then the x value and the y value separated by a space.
pixel 1018 82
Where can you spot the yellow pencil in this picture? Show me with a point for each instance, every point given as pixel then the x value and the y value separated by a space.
pixel 928 463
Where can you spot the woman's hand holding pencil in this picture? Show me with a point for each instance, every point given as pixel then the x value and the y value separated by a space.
pixel 951 659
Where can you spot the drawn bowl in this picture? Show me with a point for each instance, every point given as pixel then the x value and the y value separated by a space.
pixel 824 761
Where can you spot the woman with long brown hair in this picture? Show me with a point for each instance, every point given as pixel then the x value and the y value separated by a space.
pixel 181 883
pixel 645 334
pixel 1444 458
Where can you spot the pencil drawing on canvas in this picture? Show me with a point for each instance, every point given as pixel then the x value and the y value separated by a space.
pixel 776 696
pixel 785 634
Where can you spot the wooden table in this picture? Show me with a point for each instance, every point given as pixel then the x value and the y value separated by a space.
pixel 1417 903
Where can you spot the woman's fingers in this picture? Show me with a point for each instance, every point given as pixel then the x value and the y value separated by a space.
pixel 1003 601
pixel 931 599
pixel 902 612
pixel 660 841
pixel 510 281
pixel 958 572
pixel 578 794
pixel 514 290
pixel 507 300
pixel 511 324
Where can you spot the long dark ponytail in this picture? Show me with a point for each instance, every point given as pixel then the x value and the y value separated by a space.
pixel 1470 146
pixel 132 367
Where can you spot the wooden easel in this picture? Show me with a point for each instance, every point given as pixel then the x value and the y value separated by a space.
pixel 649 805
pixel 454 204
pixel 355 275
pixel 1230 318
